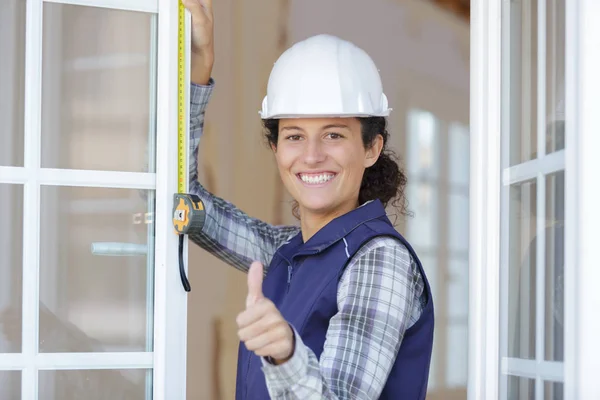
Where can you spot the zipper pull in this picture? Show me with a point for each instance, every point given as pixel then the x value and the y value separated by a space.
pixel 289 274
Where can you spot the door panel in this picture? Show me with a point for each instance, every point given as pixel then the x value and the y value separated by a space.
pixel 12 82
pixel 521 271
pixel 11 268
pixel 554 269
pixel 533 198
pixel 93 385
pixel 10 385
pixel 96 86
pixel 94 290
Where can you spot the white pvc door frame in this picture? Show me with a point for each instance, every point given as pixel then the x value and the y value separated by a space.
pixel 581 161
pixel 167 361
pixel 582 295
pixel 484 241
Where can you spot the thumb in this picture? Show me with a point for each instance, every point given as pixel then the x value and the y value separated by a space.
pixel 255 279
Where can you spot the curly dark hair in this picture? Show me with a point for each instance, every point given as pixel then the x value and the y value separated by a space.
pixel 384 180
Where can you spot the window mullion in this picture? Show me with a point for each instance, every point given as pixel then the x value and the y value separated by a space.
pixel 31 210
pixel 151 201
pixel 541 196
pixel 540 274
pixel 150 6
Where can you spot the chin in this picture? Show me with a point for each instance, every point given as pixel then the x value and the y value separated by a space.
pixel 318 206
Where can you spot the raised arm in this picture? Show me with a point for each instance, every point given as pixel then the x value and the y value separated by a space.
pixel 228 233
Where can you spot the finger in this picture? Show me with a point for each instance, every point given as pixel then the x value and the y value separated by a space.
pixel 193 6
pixel 278 350
pixel 207 4
pixel 198 9
pixel 255 279
pixel 272 336
pixel 259 327
pixel 255 313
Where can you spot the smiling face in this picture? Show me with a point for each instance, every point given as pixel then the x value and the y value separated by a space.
pixel 322 162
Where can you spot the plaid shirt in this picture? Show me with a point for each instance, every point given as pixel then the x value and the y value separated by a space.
pixel 380 295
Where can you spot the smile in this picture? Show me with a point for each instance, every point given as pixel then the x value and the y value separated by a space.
pixel 316 179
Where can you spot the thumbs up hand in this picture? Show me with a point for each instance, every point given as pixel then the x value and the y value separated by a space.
pixel 261 326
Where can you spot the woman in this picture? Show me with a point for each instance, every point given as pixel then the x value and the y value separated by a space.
pixel 344 310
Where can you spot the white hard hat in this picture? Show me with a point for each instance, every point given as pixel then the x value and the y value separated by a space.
pixel 324 76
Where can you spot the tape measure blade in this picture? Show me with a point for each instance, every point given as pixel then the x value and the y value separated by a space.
pixel 183 79
pixel 187 79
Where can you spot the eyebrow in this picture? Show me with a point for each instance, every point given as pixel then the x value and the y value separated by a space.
pixel 297 128
pixel 292 128
pixel 342 126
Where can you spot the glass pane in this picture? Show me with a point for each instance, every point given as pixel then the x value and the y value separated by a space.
pixel 522 266
pixel 97 80
pixel 555 75
pixel 458 289
pixel 10 385
pixel 423 200
pixel 458 235
pixel 423 149
pixel 523 81
pixel 457 357
pixel 11 267
pixel 553 391
pixel 95 271
pixel 12 81
pixel 433 383
pixel 94 384
pixel 521 388
pixel 431 267
pixel 458 136
pixel 555 260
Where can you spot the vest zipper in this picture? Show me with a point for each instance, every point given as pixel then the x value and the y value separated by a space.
pixel 290 273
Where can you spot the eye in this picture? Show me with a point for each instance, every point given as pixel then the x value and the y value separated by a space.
pixel 293 138
pixel 334 135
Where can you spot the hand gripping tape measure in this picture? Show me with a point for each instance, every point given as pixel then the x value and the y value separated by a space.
pixel 188 210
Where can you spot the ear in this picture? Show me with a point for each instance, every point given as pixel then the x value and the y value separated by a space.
pixel 273 147
pixel 373 152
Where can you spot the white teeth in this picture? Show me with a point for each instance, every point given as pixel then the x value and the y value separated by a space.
pixel 316 179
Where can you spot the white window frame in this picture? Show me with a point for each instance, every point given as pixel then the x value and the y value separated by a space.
pixel 168 360
pixel 484 203
pixel 581 163
pixel 582 297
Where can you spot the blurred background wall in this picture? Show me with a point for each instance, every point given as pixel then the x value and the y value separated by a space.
pixel 422 50
pixel 96 114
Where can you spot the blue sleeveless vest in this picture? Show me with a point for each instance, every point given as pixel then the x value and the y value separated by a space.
pixel 302 281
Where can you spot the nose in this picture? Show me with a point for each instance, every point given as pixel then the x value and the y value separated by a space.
pixel 314 153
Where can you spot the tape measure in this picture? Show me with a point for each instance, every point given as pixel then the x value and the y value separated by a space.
pixel 188 210
pixel 188 213
pixel 181 103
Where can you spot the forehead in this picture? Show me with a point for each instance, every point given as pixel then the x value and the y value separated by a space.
pixel 317 124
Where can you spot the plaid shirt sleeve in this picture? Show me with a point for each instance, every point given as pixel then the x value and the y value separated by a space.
pixel 379 297
pixel 228 233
